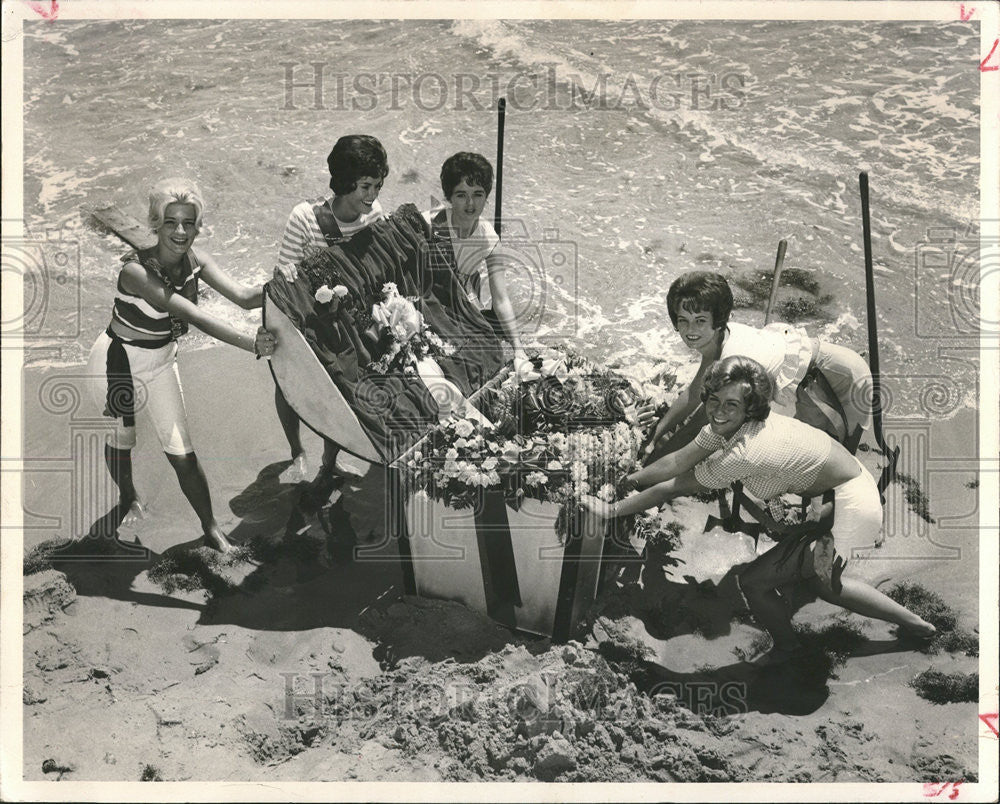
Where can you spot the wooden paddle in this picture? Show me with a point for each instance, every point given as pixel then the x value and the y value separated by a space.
pixel 132 231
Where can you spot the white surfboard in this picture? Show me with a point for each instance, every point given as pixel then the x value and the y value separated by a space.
pixel 310 391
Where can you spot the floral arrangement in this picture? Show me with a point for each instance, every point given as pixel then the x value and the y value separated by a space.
pixel 403 337
pixel 561 433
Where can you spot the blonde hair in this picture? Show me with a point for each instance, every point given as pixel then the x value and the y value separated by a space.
pixel 174 191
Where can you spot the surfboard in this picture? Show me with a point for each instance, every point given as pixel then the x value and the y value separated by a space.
pixel 309 389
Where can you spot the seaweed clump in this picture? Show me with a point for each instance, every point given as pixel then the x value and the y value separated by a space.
pixel 942 688
pixel 932 608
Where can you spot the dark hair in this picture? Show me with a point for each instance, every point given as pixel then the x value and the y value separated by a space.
pixel 698 291
pixel 352 157
pixel 469 166
pixel 757 385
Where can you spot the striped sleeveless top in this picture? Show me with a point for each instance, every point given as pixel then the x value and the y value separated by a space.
pixel 133 319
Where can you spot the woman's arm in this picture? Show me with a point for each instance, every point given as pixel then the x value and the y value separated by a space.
pixel 650 498
pixel 505 310
pixel 246 297
pixel 501 301
pixel 135 279
pixel 670 465
pixel 686 403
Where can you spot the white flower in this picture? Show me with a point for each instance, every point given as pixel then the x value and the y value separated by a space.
pixel 340 290
pixel 555 367
pixel 606 492
pixel 536 478
pixel 461 443
pixel 451 454
pixel 489 464
pixel 324 295
pixel 465 428
pixel 578 471
pixel 389 290
pixel 554 466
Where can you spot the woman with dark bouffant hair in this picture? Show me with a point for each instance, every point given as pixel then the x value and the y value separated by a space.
pixel 479 262
pixel 133 365
pixel 358 165
pixel 771 455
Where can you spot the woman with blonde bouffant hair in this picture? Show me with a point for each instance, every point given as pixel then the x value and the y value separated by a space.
pixel 133 364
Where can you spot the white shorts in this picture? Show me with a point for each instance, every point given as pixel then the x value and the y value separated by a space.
pixel 157 391
pixel 857 522
pixel 851 380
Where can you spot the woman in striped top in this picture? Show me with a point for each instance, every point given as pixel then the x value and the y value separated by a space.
pixel 133 364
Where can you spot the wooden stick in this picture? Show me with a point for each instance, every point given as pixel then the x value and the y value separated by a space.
pixel 498 197
pixel 779 262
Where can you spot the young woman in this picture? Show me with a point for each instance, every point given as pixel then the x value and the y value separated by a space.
pixel 466 181
pixel 358 165
pixel 133 364
pixel 699 304
pixel 774 455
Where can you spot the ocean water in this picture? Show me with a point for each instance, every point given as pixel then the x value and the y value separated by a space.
pixel 634 150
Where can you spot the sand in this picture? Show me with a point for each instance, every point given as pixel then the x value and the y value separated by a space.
pixel 300 666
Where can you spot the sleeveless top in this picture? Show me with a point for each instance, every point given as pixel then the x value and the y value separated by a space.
pixel 135 320
pixel 469 254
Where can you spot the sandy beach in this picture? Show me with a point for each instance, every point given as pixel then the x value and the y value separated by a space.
pixel 288 668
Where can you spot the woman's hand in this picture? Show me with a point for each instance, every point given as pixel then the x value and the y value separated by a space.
pixel 286 270
pixel 645 415
pixel 264 343
pixel 597 507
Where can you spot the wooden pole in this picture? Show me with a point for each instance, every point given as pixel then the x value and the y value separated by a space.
pixel 873 362
pixel 498 196
pixel 779 262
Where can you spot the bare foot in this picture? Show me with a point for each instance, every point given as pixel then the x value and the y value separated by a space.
pixel 136 511
pixel 297 472
pixel 923 632
pixel 217 540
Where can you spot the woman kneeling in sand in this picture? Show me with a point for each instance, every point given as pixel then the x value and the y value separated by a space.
pixel 133 364
pixel 774 455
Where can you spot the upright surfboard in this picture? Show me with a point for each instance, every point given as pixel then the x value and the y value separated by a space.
pixel 309 389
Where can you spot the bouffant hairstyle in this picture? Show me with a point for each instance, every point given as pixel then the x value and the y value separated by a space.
pixel 354 156
pixel 469 166
pixel 701 291
pixel 748 373
pixel 174 191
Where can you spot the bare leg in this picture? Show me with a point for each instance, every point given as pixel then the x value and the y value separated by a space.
pixel 863 599
pixel 758 583
pixel 330 451
pixel 289 422
pixel 119 463
pixel 195 488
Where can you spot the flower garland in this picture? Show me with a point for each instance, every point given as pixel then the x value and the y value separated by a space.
pixel 560 435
